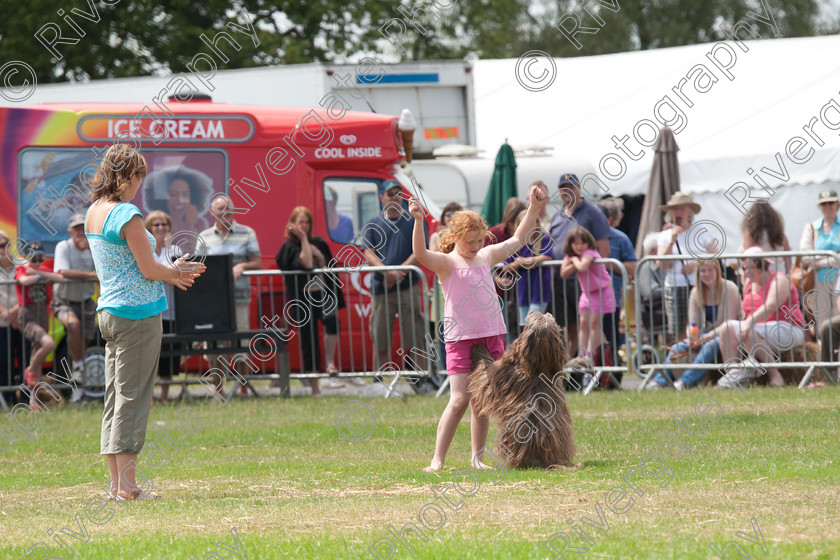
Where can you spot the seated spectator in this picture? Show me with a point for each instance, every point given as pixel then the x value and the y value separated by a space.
pixel 621 249
pixel 159 224
pixel 35 314
pixel 649 281
pixel 773 319
pixel 11 339
pixel 73 303
pixel 534 284
pixel 303 251
pixel 713 300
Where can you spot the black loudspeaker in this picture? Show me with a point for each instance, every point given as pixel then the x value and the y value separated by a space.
pixel 207 306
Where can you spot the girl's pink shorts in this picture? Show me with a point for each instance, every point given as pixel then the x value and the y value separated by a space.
pixel 458 353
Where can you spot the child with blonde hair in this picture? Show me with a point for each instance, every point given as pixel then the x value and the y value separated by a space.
pixel 463 269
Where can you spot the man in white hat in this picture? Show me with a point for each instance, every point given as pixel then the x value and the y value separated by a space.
pixel 73 303
pixel 680 275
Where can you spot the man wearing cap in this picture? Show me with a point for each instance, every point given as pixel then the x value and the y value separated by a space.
pixel 576 211
pixel 680 275
pixel 822 235
pixel 73 303
pixel 387 242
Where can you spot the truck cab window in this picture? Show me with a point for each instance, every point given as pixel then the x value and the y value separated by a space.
pixel 349 203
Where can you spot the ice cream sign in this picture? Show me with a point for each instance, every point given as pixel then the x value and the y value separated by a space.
pixel 349 152
pixel 183 128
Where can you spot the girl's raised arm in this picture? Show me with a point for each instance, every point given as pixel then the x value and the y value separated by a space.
pixel 436 262
pixel 500 251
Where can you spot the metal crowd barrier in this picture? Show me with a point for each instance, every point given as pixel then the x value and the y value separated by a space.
pixel 556 304
pixel 16 351
pixel 676 332
pixel 355 355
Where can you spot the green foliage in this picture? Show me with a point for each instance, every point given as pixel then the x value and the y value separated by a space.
pixel 145 37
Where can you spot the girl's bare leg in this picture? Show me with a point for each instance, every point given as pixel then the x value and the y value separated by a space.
pixel 459 399
pixel 479 427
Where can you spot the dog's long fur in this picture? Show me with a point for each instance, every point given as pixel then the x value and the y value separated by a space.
pixel 512 386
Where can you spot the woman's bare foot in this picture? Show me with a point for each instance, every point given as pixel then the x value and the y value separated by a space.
pixel 482 467
pixel 433 468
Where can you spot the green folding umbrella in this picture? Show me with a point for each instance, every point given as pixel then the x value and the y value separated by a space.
pixel 502 186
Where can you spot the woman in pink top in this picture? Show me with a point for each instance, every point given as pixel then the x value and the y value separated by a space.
pixel 472 314
pixel 596 292
pixel 774 322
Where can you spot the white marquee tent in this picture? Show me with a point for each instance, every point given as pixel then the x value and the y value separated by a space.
pixel 742 123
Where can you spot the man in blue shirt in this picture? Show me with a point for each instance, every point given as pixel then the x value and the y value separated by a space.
pixel 575 212
pixel 386 240
pixel 621 248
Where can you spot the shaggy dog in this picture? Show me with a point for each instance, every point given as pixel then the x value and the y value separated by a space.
pixel 524 391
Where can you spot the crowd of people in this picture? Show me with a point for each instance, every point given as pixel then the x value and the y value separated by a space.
pixel 585 297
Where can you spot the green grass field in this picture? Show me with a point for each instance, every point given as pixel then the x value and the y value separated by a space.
pixel 278 472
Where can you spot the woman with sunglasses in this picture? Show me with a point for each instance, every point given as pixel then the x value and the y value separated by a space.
pixel 822 235
pixel 159 224
pixel 35 314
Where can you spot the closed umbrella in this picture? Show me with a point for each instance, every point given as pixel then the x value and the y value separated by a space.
pixel 664 182
pixel 502 186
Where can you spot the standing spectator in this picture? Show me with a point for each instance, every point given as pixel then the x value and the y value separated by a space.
pixel 503 231
pixel 11 339
pixel 503 279
pixel 230 237
pixel 596 295
pixel 679 274
pixel 129 311
pixel 437 299
pixel 576 212
pixel 35 314
pixel 73 303
pixel 534 285
pixel 544 217
pixel 621 249
pixel 387 242
pixel 159 224
pixel 822 235
pixel 303 251
pixel 765 228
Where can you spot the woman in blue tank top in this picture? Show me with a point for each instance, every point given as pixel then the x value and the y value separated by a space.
pixel 129 307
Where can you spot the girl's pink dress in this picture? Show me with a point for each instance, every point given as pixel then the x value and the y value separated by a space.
pixel 596 293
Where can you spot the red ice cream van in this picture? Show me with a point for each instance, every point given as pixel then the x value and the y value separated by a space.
pixel 268 159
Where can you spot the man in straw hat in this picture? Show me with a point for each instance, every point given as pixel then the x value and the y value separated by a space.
pixel 680 275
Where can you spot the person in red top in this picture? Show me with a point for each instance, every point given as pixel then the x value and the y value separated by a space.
pixel 773 322
pixel 35 313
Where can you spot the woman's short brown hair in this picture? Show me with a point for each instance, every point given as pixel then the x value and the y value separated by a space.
pixel 120 163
